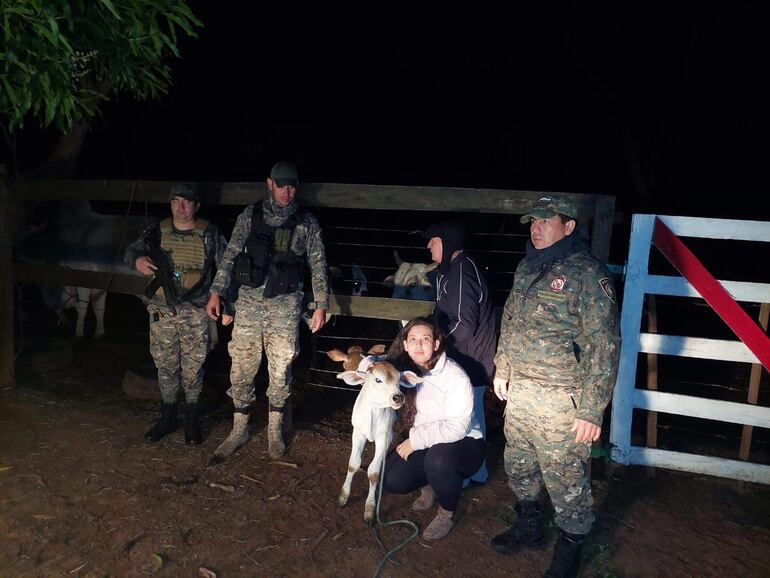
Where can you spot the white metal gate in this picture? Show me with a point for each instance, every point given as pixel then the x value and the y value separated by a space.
pixel 639 282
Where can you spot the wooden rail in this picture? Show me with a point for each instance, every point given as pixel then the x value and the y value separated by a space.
pixel 374 307
pixel 598 210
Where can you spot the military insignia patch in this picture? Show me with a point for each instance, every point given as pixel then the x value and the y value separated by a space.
pixel 558 284
pixel 608 288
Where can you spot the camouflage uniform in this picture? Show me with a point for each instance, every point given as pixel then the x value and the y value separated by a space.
pixel 272 323
pixel 558 349
pixel 179 344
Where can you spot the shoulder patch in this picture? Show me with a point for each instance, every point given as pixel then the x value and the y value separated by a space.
pixel 608 288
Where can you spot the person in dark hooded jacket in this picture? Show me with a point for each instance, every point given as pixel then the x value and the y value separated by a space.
pixel 464 313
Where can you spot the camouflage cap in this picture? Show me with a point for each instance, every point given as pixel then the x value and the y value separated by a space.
pixel 548 206
pixel 284 174
pixel 187 191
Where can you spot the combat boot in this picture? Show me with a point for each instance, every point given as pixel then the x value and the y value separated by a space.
pixel 566 555
pixel 237 438
pixel 192 427
pixel 526 532
pixel 166 424
pixel 275 446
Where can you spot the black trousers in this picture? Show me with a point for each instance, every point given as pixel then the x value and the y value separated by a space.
pixel 443 466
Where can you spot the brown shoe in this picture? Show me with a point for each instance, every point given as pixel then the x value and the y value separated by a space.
pixel 425 501
pixel 440 526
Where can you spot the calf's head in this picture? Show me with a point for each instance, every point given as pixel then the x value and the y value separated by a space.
pixel 380 383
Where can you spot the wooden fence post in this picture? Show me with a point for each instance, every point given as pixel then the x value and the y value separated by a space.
pixel 756 374
pixel 652 378
pixel 601 231
pixel 6 286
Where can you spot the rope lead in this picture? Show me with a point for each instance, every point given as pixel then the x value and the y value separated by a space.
pixel 379 522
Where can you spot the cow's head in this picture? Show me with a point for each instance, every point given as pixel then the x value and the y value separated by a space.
pixel 380 383
pixel 411 280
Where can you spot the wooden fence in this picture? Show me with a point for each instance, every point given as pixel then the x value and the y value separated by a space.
pixel 596 214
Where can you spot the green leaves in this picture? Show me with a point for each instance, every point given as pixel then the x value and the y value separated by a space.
pixel 57 52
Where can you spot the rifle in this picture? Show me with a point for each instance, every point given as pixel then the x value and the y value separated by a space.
pixel 164 277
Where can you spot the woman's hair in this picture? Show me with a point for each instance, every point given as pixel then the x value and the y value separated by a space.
pixel 400 358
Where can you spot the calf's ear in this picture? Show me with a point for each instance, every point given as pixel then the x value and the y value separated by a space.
pixel 352 377
pixel 337 355
pixel 409 379
pixel 389 280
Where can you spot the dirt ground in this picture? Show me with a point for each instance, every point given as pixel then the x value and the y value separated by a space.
pixel 82 494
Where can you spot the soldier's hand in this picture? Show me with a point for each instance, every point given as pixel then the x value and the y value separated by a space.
pixel 317 320
pixel 145 266
pixel 501 388
pixel 214 306
pixel 585 431
pixel 227 319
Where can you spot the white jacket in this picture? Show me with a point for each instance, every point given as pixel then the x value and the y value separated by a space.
pixel 444 402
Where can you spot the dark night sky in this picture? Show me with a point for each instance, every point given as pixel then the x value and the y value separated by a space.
pixel 545 99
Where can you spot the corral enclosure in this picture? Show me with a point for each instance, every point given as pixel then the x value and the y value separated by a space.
pixel 362 224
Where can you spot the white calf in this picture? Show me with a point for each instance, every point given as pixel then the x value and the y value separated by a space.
pixel 373 415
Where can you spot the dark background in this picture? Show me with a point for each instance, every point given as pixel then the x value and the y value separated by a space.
pixel 661 106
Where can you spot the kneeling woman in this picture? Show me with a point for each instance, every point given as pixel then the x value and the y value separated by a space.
pixel 445 444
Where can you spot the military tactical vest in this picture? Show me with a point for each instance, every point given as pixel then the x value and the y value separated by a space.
pixel 267 255
pixel 187 252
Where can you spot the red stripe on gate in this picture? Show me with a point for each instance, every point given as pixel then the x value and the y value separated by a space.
pixel 712 291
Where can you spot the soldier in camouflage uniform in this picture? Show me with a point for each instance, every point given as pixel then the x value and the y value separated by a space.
pixel 556 364
pixel 276 239
pixel 179 338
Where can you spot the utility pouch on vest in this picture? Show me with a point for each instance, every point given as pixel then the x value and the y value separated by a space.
pixel 282 240
pixel 284 278
pixel 250 265
pixel 245 273
pixel 191 278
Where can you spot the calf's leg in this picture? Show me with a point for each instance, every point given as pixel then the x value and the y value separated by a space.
pixel 84 295
pixel 359 441
pixel 380 447
pixel 99 305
